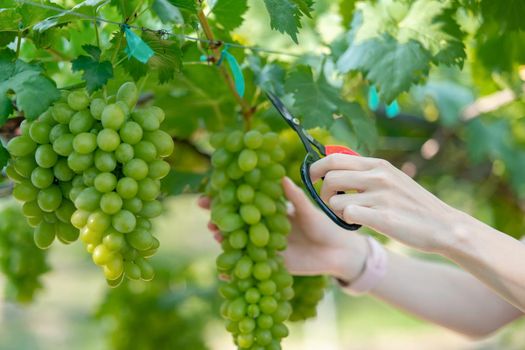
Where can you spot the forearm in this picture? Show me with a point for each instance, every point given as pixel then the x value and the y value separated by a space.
pixel 443 294
pixel 493 257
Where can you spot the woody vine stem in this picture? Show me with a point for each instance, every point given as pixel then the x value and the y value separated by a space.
pixel 246 110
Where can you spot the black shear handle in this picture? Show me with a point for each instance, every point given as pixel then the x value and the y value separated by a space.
pixel 305 175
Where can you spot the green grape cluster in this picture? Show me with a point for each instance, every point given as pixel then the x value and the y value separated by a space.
pixel 309 291
pixel 22 263
pixel 90 167
pixel 249 208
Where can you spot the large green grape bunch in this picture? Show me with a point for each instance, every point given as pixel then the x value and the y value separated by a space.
pixel 308 290
pixel 249 208
pixel 91 167
pixel 22 263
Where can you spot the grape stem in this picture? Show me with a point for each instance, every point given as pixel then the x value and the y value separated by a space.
pixel 246 109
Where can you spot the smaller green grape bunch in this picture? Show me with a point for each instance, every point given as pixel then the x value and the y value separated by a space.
pixel 309 291
pixel 21 261
pixel 249 208
pixel 90 167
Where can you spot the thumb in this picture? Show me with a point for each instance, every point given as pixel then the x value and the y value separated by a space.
pixel 296 196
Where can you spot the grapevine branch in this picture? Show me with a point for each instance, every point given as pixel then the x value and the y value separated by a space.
pixel 246 109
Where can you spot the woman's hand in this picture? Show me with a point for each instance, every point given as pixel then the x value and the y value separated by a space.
pixel 315 245
pixel 387 200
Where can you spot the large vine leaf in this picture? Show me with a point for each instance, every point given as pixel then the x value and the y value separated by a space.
pixel 315 100
pixel 96 72
pixel 34 92
pixel 168 56
pixel 391 66
pixel 285 17
pixel 229 13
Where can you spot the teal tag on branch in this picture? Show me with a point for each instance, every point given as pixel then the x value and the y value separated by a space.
pixel 236 70
pixel 392 110
pixel 137 47
pixel 373 98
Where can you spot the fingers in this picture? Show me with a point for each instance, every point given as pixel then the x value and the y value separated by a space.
pixel 204 202
pixel 343 162
pixel 339 202
pixel 343 180
pixel 359 215
pixel 297 197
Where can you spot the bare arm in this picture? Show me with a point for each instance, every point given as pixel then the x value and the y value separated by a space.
pixel 395 205
pixel 437 292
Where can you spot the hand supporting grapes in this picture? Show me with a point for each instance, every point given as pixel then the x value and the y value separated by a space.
pixel 315 245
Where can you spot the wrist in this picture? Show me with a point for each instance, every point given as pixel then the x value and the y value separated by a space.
pixel 348 259
pixel 457 236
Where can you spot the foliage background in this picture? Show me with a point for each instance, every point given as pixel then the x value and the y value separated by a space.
pixel 472 158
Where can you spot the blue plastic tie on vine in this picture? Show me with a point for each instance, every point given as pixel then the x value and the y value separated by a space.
pixel 136 46
pixel 373 98
pixel 235 68
pixel 392 110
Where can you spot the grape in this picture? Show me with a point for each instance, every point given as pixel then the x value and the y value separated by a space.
pixel 78 100
pixel 128 93
pixel 131 133
pixel 39 132
pixel 62 113
pixel 96 107
pixel 105 182
pixel 42 177
pixel 112 117
pixel 136 169
pixel 84 170
pixel 125 153
pixel 146 151
pixel 85 143
pixel 246 197
pixel 21 146
pixel 81 122
pixel 108 140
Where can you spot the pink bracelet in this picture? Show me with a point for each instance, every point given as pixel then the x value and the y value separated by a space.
pixel 373 271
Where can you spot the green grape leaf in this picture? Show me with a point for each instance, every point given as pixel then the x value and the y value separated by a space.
pixel 86 7
pixel 167 12
pixel 305 6
pixel 4 156
pixel 431 23
pixel 362 125
pixel 315 100
pixel 168 56
pixel 34 92
pixel 96 72
pixel 509 14
pixel 346 10
pixel 229 13
pixel 284 17
pixel 189 5
pixel 10 19
pixel 178 182
pixel 391 66
pixel 269 77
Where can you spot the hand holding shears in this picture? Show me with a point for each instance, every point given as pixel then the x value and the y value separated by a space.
pixel 314 151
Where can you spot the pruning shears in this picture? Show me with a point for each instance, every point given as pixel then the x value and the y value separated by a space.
pixel 314 151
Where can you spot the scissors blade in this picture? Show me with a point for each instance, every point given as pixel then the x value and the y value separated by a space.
pixel 305 137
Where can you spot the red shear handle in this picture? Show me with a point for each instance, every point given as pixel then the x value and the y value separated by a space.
pixel 332 149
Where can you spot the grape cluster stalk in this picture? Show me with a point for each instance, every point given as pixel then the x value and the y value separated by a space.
pixel 90 168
